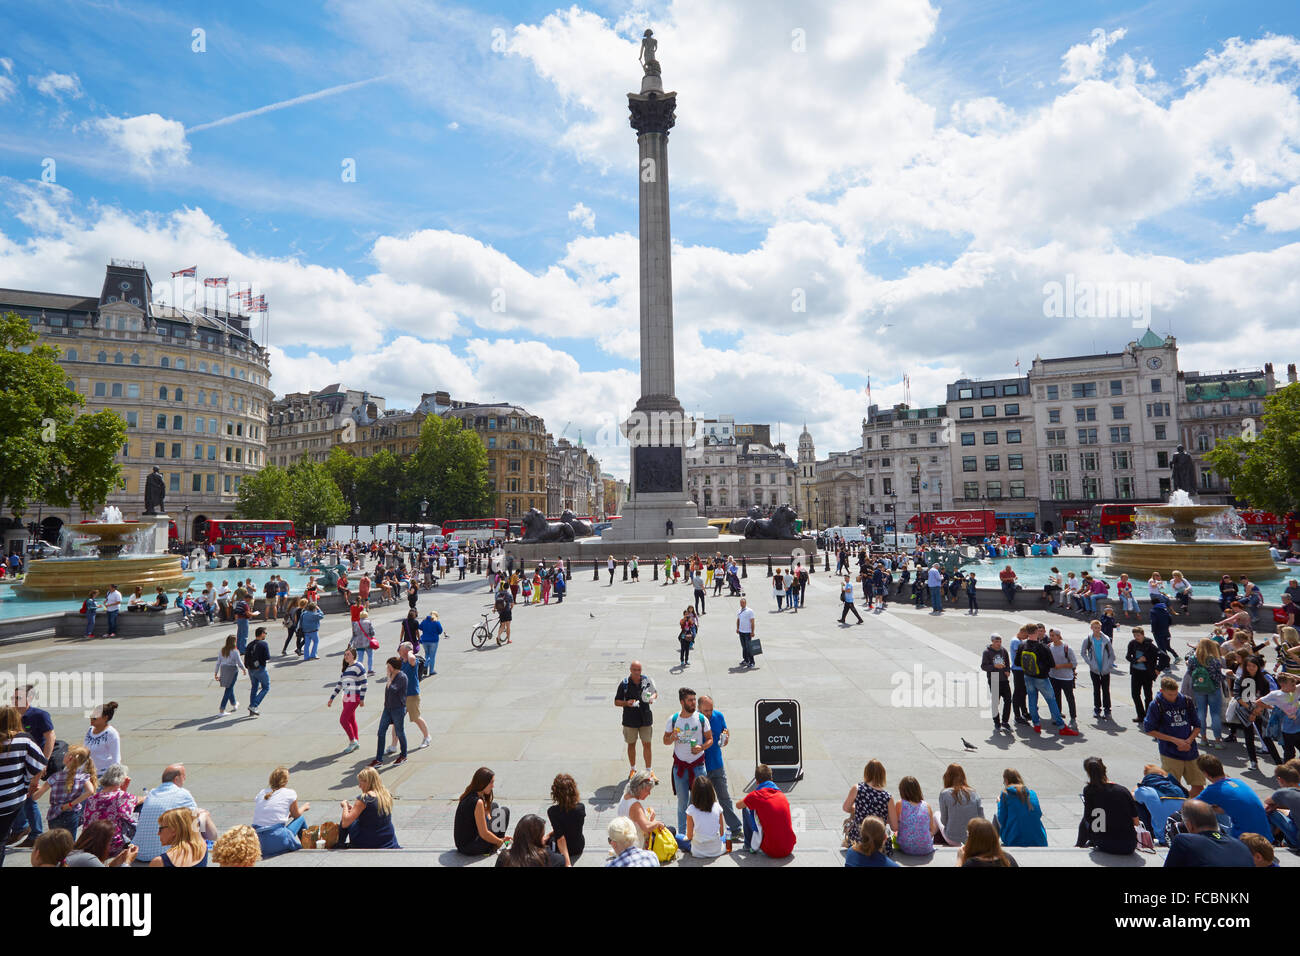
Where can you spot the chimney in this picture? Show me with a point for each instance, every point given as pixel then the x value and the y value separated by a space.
pixel 1290 373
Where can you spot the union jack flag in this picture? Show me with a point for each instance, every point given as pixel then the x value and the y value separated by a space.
pixel 216 283
pixel 258 304
pixel 191 272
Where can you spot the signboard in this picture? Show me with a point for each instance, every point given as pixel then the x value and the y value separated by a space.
pixel 1013 514
pixel 778 738
pixel 657 469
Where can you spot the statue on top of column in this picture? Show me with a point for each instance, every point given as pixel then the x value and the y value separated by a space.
pixel 647 55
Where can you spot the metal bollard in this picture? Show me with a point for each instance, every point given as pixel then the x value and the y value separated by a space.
pixel 769 565
pixel 744 567
pixel 827 556
pixel 655 565
pixel 595 569
pixel 625 569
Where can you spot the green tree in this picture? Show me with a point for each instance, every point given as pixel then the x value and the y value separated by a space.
pixel 450 470
pixel 1262 465
pixel 380 481
pixel 315 502
pixel 47 451
pixel 265 495
pixel 345 468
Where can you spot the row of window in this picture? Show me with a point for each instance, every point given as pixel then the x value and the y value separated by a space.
pixel 204 483
pixel 234 454
pixel 201 425
pixel 1090 488
pixel 987 411
pixel 988 391
pixel 773 478
pixel 1089 389
pixel 235 403
pixel 1091 461
pixel 165 361
pixel 993 463
pixel 991 438
pixel 993 489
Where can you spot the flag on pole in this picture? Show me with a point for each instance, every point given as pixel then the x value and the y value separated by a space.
pixel 216 283
pixel 257 304
pixel 868 388
pixel 191 272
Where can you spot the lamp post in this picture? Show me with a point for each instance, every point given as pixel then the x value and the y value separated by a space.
pixel 817 509
pixel 893 505
pixel 185 528
pixel 918 500
pixel 424 507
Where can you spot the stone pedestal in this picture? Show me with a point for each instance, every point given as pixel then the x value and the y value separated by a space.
pixel 159 541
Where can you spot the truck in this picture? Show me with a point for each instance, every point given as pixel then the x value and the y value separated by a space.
pixel 963 524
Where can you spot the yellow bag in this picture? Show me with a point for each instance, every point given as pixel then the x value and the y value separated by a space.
pixel 663 845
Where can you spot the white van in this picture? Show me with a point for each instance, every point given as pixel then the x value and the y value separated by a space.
pixel 850 534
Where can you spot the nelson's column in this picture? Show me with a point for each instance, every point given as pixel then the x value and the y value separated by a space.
pixel 658 428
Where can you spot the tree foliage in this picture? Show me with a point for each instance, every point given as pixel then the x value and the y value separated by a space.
pixel 265 495
pixel 450 470
pixel 1262 466
pixel 47 451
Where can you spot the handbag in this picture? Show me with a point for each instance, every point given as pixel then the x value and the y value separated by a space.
pixel 663 845
pixel 327 831
pixel 755 647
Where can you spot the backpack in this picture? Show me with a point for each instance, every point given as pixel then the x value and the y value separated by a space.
pixel 1029 662
pixel 1202 680
pixel 250 660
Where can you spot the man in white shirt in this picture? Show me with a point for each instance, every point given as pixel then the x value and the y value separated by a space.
pixel 113 604
pixel 223 600
pixel 460 564
pixel 745 630
pixel 689 733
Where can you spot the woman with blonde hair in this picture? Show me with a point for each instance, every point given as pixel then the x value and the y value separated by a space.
pixel 1287 641
pixel 178 831
pixel 958 805
pixel 363 632
pixel 238 846
pixel 70 789
pixel 1182 590
pixel 869 798
pixel 982 847
pixel 869 848
pixel 229 663
pixel 367 822
pixel 1203 683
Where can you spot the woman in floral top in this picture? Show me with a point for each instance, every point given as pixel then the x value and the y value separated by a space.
pixel 114 803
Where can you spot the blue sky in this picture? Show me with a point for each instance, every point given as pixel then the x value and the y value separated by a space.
pixel 918 170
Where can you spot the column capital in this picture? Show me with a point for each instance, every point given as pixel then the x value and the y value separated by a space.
pixel 652 112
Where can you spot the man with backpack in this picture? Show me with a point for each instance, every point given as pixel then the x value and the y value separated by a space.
pixel 689 734
pixel 1035 660
pixel 255 659
pixel 1160 621
pixel 1171 719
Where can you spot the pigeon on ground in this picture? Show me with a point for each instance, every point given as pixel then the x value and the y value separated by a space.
pixel 968 745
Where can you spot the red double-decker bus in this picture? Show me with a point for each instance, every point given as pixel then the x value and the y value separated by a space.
pixel 1116 522
pixel 963 524
pixel 236 535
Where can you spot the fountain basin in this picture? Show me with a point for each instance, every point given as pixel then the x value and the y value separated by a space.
pixel 58 578
pixel 1198 560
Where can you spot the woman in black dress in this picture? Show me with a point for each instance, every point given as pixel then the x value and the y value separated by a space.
pixel 480 824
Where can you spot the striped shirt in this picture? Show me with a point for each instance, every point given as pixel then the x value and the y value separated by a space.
pixel 352 683
pixel 20 761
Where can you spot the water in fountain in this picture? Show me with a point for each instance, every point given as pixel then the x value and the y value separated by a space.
pixel 141 542
pixel 111 515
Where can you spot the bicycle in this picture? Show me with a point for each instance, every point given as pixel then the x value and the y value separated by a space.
pixel 478 637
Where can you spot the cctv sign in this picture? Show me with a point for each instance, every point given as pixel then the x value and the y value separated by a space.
pixel 778 736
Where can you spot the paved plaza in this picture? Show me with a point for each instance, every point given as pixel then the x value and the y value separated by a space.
pixel 544 705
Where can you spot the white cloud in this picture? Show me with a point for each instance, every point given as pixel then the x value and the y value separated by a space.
pixel 7 85
pixel 582 216
pixel 1084 60
pixel 1279 214
pixel 149 140
pixel 57 85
